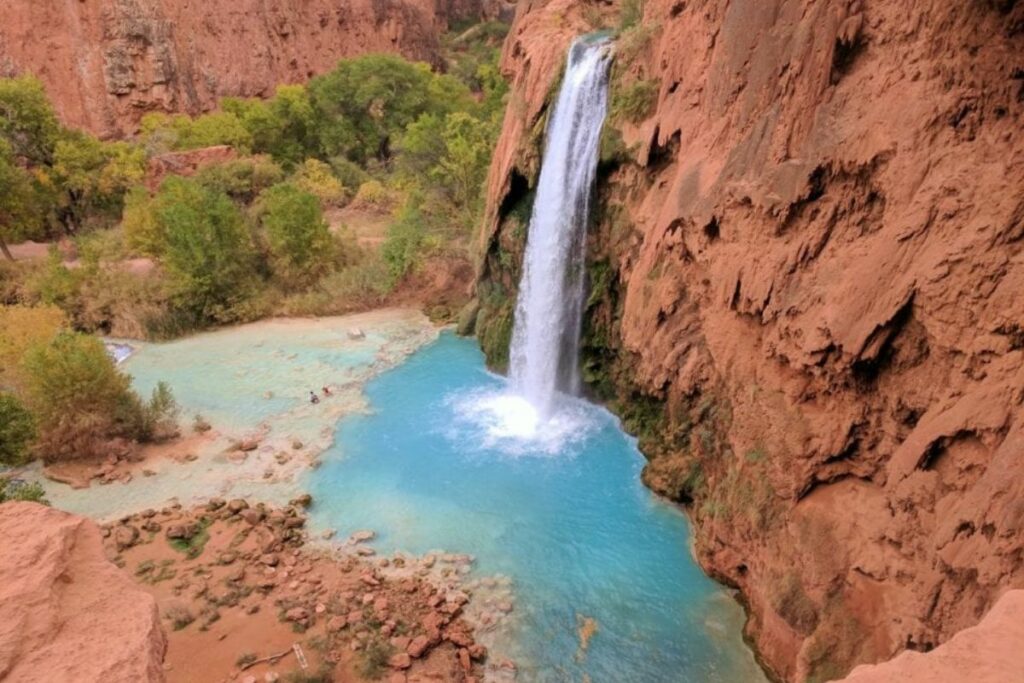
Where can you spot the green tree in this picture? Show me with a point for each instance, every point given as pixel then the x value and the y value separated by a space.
pixel 93 176
pixel 27 120
pixel 463 167
pixel 454 152
pixel 365 103
pixel 22 203
pixel 203 241
pixel 78 396
pixel 241 179
pixel 301 247
pixel 284 126
pixel 17 430
pixel 404 242
pixel 180 132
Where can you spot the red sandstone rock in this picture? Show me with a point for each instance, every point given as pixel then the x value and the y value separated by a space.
pixel 818 267
pixel 68 613
pixel 105 63
pixel 991 652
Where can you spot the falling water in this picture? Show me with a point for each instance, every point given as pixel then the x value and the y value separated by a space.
pixel 545 339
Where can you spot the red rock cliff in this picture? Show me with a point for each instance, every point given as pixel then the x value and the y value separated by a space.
pixel 68 613
pixel 107 62
pixel 807 266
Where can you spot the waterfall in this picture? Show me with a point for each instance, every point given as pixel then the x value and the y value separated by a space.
pixel 544 354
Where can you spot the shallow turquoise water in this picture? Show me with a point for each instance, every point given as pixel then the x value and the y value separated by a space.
pixel 565 517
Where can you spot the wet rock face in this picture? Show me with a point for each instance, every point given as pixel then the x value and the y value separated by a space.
pixel 806 265
pixel 68 613
pixel 106 63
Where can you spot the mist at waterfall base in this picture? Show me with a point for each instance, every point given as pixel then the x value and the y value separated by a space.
pixel 564 515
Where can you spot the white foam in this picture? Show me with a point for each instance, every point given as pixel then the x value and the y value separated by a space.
pixel 489 420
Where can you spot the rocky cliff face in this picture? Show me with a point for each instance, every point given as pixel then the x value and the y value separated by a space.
pixel 987 653
pixel 105 63
pixel 806 272
pixel 68 613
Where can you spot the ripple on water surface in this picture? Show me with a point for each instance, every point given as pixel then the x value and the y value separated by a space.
pixel 449 460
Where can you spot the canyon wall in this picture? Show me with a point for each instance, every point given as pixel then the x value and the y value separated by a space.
pixel 806 274
pixel 105 63
pixel 68 613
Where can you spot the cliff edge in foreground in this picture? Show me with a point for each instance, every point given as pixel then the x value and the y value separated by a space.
pixel 68 613
pixel 991 652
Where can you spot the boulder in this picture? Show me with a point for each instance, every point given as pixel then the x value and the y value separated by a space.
pixel 400 661
pixel 126 536
pixel 64 603
pixel 418 646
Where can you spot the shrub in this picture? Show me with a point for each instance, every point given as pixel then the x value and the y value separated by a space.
pixel 78 396
pixel 206 247
pixel 241 179
pixel 179 616
pixel 349 173
pixel 17 430
pixel 372 193
pixel 375 658
pixel 180 132
pixel 316 178
pixel 20 490
pixel 159 419
pixel 634 102
pixel 403 245
pixel 301 248
pixel 20 328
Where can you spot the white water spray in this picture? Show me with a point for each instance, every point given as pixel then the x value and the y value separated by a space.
pixel 544 353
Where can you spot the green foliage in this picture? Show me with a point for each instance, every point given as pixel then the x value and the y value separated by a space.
pixel 27 121
pixel 202 240
pixel 159 418
pixel 317 178
pixel 494 326
pixel 372 193
pixel 17 430
pixel 301 248
pixel 375 658
pixel 241 179
pixel 79 398
pixel 366 102
pixel 54 284
pixel 23 202
pixel 349 173
pixel 402 247
pixel 19 490
pixel 94 175
pixel 631 14
pixel 162 132
pixel 454 152
pixel 193 547
pixel 634 102
pixel 284 126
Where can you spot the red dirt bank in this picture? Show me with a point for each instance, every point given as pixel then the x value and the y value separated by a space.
pixel 815 240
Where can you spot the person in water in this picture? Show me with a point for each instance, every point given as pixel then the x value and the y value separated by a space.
pixel 327 392
pixel 313 398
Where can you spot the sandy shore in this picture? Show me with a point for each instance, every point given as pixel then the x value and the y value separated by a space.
pixel 261 459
